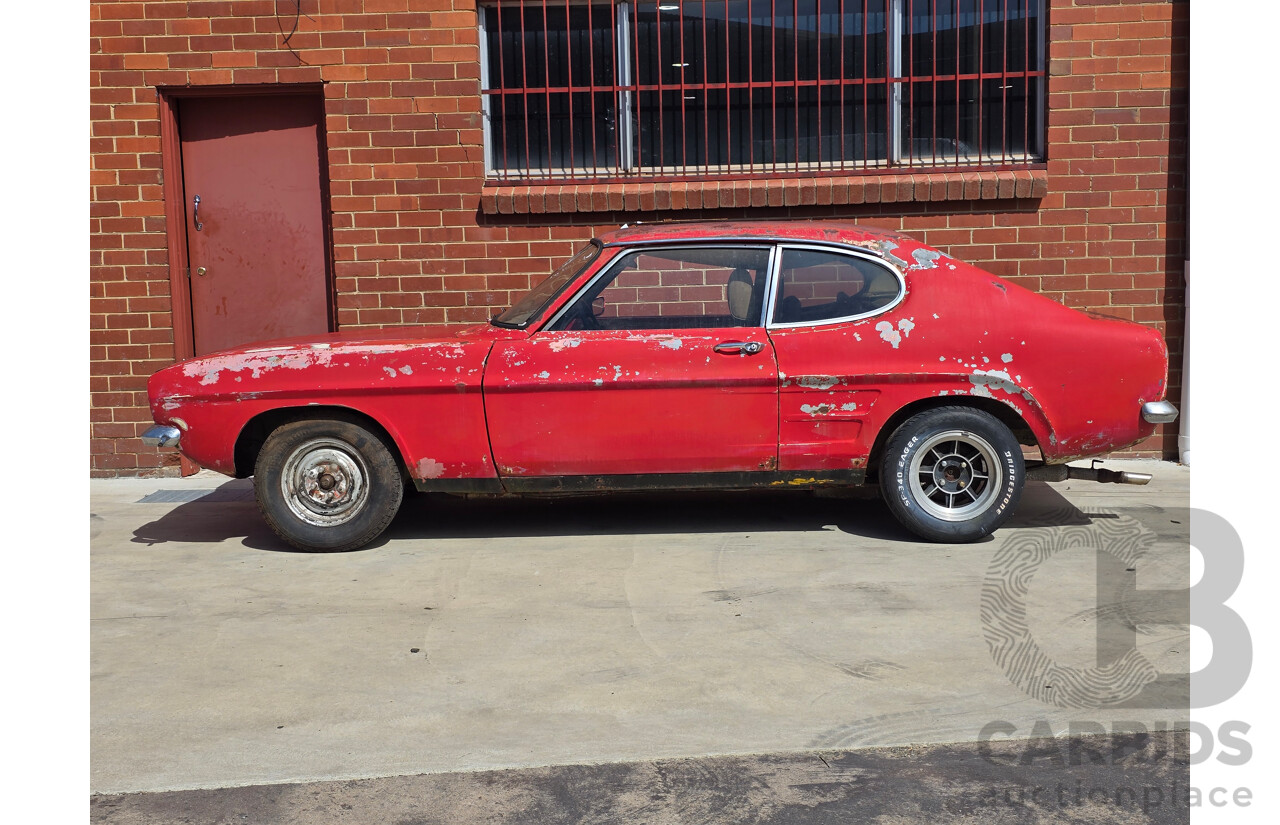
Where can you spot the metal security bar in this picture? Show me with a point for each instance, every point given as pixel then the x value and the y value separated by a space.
pixel 714 89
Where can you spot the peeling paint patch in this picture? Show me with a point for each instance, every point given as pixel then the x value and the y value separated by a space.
pixel 984 381
pixel 430 468
pixel 672 343
pixel 818 382
pixel 888 333
pixel 389 371
pixel 1007 357
pixel 406 370
pixel 817 409
pixel 564 344
pixel 926 258
pixel 850 407
pixel 906 325
pixel 886 248
pixel 544 375
pixel 209 370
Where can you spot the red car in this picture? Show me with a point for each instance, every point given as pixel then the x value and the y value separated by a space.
pixel 709 356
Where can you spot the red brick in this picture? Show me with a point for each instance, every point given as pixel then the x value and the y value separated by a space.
pixel 406 158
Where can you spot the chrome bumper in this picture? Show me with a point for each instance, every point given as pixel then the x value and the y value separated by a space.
pixel 162 436
pixel 1158 412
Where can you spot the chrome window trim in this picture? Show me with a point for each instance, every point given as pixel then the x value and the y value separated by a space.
pixel 645 247
pixel 776 271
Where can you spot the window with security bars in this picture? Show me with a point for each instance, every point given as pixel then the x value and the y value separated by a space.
pixel 744 88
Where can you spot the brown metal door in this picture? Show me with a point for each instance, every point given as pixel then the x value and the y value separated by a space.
pixel 256 242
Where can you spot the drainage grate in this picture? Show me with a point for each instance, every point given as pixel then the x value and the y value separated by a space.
pixel 185 496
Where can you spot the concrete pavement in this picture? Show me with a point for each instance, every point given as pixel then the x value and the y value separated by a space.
pixel 484 635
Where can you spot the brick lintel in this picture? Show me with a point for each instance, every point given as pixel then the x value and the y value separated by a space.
pixel 666 196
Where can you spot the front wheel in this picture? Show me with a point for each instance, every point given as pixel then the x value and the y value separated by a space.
pixel 327 485
pixel 952 474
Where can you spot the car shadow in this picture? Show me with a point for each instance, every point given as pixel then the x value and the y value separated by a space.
pixel 229 513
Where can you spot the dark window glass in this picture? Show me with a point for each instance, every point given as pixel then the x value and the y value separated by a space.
pixel 589 91
pixel 814 285
pixel 682 288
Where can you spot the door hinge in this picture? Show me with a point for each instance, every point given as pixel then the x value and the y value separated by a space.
pixel 187 271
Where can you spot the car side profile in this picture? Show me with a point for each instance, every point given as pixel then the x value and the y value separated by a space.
pixel 687 356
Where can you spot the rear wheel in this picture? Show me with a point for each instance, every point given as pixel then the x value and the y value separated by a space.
pixel 327 485
pixel 952 474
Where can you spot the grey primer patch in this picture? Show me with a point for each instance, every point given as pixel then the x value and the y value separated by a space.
pixel 926 258
pixel 886 249
pixel 185 496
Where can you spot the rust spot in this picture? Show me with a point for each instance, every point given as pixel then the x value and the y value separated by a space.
pixel 770 463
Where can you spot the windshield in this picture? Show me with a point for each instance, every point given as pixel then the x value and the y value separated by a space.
pixel 532 305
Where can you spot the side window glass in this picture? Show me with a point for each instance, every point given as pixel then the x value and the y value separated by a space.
pixel 686 287
pixel 815 285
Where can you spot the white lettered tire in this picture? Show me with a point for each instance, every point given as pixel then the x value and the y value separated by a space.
pixel 952 474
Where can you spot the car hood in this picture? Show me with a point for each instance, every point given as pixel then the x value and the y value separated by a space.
pixel 368 337
pixel 340 363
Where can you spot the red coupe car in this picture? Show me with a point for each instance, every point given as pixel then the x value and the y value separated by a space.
pixel 710 356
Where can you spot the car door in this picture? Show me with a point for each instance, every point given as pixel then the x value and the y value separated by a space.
pixel 659 366
pixel 828 328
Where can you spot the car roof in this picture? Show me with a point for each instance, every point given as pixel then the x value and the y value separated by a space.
pixel 820 231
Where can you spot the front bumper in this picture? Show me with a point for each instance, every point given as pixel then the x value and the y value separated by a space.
pixel 1159 412
pixel 162 436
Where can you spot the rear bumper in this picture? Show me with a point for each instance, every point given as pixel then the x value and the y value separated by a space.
pixel 162 436
pixel 1159 412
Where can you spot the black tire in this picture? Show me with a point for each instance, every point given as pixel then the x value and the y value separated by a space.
pixel 952 474
pixel 327 485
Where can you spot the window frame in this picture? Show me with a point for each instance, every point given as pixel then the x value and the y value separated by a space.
pixel 623 252
pixel 775 281
pixel 897 158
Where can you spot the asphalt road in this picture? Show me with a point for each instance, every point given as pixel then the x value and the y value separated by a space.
pixel 501 659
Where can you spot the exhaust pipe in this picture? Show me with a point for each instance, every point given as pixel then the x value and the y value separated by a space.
pixel 1062 472
pixel 1108 476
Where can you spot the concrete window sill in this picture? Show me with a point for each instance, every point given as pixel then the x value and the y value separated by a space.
pixel 506 199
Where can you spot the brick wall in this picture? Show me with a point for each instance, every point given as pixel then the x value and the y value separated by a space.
pixel 416 240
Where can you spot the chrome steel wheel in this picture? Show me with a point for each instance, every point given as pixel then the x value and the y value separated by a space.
pixel 955 475
pixel 323 482
pixel 328 484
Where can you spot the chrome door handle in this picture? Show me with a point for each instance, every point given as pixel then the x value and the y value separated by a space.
pixel 195 214
pixel 742 347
